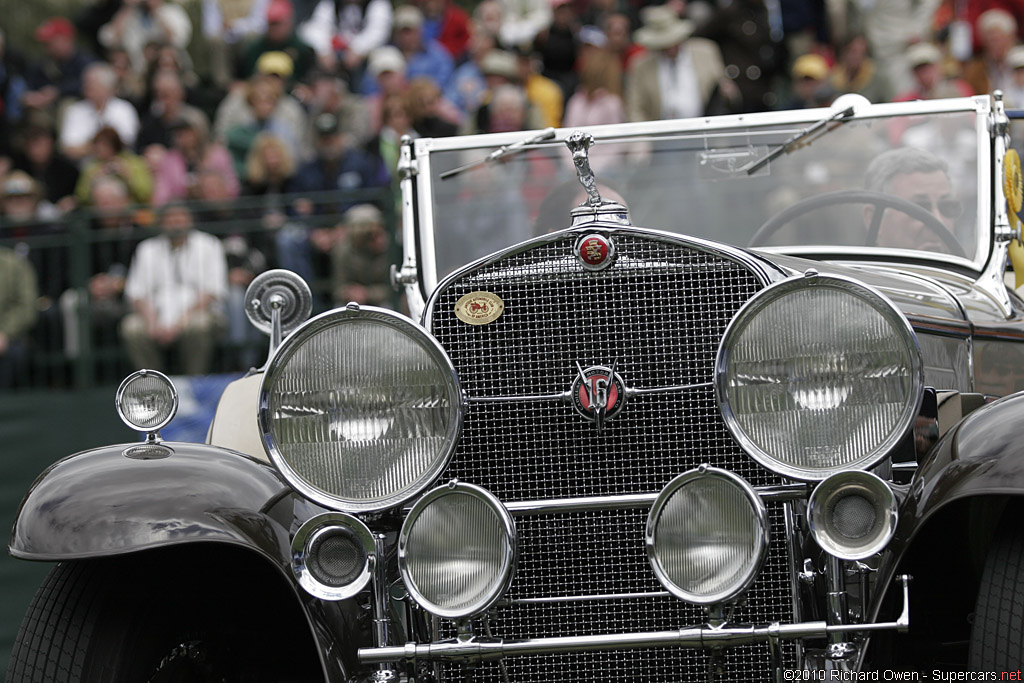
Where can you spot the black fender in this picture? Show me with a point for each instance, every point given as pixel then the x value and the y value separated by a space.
pixel 134 498
pixel 950 510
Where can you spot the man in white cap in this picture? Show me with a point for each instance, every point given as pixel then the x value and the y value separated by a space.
pixel 925 61
pixel 679 76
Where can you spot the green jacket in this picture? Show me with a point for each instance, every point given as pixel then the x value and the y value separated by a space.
pixel 18 294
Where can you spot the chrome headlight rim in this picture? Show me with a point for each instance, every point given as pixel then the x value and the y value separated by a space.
pixel 307 535
pixel 763 540
pixel 340 316
pixel 867 482
pixel 123 389
pixel 509 562
pixel 880 303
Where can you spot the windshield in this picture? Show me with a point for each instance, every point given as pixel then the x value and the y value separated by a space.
pixel 905 182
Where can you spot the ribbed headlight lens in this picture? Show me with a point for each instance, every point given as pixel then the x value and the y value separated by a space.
pixel 817 375
pixel 360 409
pixel 457 550
pixel 146 400
pixel 707 534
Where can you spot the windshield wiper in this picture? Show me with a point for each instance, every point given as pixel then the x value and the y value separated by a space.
pixel 502 152
pixel 839 118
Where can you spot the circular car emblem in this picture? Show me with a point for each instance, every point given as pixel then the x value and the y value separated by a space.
pixel 479 308
pixel 595 252
pixel 593 389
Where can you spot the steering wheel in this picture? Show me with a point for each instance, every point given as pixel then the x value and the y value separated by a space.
pixel 880 201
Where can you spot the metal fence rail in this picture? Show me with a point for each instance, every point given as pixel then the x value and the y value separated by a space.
pixel 75 343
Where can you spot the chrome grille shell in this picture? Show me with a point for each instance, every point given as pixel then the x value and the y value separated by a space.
pixel 659 314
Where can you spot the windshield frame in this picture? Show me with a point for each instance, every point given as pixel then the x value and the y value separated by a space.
pixel 425 258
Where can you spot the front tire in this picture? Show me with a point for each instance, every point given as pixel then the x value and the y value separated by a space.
pixel 149 620
pixel 997 635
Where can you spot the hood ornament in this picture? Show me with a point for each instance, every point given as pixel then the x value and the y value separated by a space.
pixel 598 393
pixel 595 207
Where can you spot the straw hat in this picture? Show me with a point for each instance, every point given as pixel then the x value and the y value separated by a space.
pixel 662 28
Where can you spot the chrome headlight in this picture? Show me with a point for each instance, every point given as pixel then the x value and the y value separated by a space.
pixel 146 401
pixel 852 515
pixel 360 409
pixel 457 550
pixel 707 535
pixel 817 375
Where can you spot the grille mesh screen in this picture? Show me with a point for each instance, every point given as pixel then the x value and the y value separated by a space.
pixel 658 313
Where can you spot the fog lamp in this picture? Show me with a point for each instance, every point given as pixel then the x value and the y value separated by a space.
pixel 707 534
pixel 146 401
pixel 852 515
pixel 333 556
pixel 457 550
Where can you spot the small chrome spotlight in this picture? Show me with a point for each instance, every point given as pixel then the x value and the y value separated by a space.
pixel 333 556
pixel 852 515
pixel 707 535
pixel 146 402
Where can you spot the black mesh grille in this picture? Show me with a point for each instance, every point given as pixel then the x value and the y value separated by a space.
pixel 658 313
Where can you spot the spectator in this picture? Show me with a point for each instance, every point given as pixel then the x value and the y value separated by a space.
pixel 856 72
pixel 12 88
pixel 270 169
pixel 598 101
pixel 329 94
pixel 168 107
pixel 543 94
pixel 387 67
pixel 110 157
pixel 227 24
pixel 754 56
pixel 680 75
pixel 115 237
pixel 141 22
pixel 810 83
pixel 179 174
pixel 244 263
pixel 261 107
pixel 423 58
pixel 385 149
pixel 448 24
pixel 17 313
pixel 488 16
pixel 39 158
pixel 58 76
pixel 336 167
pixel 361 263
pixel 431 116
pixel 1014 93
pixel 508 110
pixel 988 71
pixel 619 40
pixel 131 85
pixel 280 37
pixel 558 47
pixel 349 29
pixel 926 61
pixel 99 108
pixel 175 288
pixel 890 26
pixel 467 85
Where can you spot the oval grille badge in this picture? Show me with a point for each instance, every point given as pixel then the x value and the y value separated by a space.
pixel 479 308
pixel 595 252
pixel 598 394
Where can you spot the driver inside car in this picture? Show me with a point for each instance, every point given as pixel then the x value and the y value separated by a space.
pixel 921 178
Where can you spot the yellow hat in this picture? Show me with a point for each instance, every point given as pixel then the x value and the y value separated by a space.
pixel 276 62
pixel 810 66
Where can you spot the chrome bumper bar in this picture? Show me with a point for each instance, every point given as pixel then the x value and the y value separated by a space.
pixel 471 650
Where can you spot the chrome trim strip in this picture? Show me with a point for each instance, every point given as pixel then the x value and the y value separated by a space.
pixel 767 494
pixel 586 598
pixel 567 395
pixel 469 650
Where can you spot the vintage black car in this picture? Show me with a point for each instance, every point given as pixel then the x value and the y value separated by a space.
pixel 750 416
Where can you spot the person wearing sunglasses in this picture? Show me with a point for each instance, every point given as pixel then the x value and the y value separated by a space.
pixel 921 178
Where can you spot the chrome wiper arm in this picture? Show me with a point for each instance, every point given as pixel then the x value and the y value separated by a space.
pixel 787 146
pixel 501 152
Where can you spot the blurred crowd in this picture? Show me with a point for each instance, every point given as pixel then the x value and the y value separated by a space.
pixel 299 106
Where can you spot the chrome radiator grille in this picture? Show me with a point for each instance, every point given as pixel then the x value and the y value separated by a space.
pixel 658 313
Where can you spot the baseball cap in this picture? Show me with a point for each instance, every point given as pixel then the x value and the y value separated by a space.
pixel 923 53
pixel 55 27
pixel 19 184
pixel 275 62
pixel 810 66
pixel 385 58
pixel 408 16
